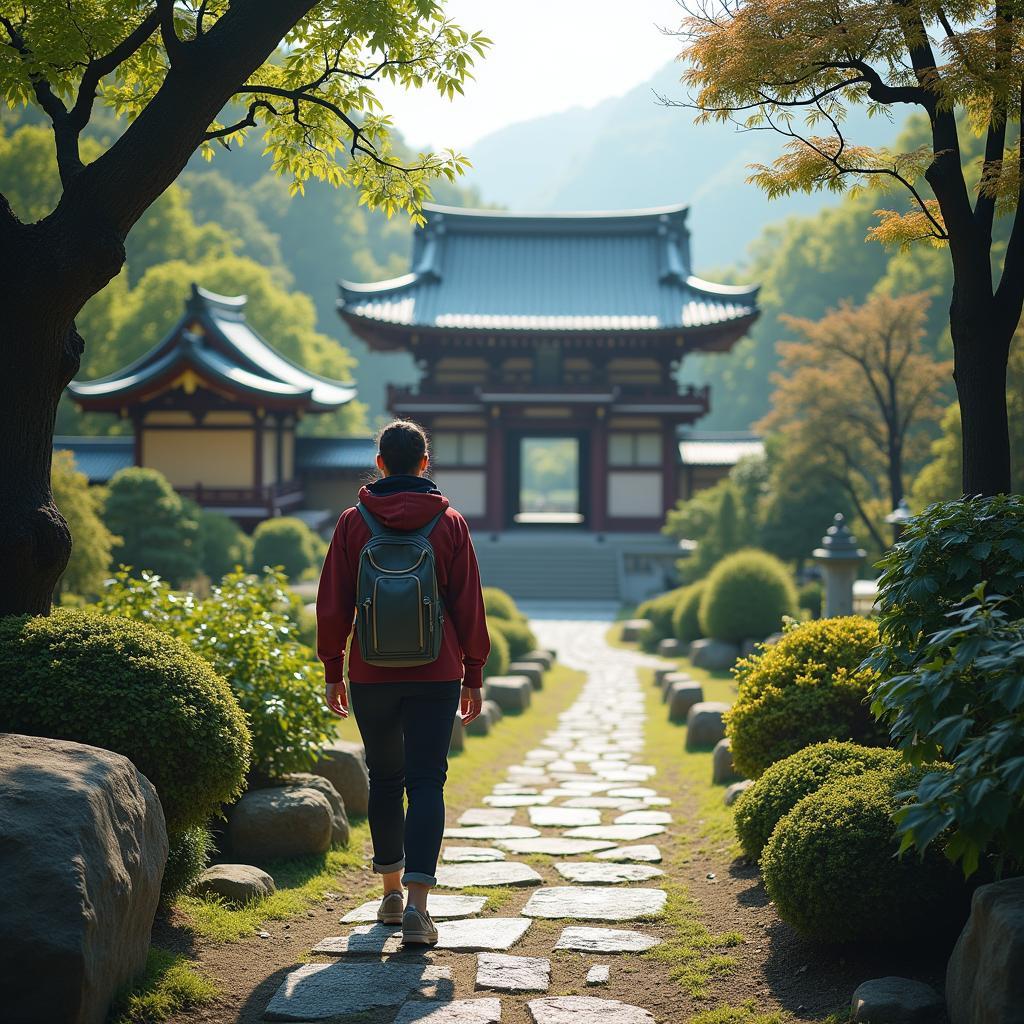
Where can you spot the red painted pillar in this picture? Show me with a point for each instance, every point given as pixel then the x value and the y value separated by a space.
pixel 496 470
pixel 598 512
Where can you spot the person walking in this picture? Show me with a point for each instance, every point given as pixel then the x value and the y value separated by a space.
pixel 401 577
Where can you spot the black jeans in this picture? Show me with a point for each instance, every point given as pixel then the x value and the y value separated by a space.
pixel 406 730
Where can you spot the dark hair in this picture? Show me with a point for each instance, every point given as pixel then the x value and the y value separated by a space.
pixel 402 445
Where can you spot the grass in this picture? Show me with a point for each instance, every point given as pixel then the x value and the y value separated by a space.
pixel 300 883
pixel 745 1014
pixel 169 985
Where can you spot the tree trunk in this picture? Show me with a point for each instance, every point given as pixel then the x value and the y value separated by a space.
pixel 980 351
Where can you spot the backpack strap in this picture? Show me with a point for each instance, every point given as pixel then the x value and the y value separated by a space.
pixel 425 531
pixel 376 530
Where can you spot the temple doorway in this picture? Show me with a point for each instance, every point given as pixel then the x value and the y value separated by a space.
pixel 548 479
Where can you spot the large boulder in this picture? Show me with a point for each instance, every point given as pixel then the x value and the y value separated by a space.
pixel 681 697
pixel 531 669
pixel 985 976
pixel 279 822
pixel 344 763
pixel 510 693
pixel 714 655
pixel 82 851
pixel 661 672
pixel 705 724
pixel 339 821
pixel 543 658
pixel 493 709
pixel 898 1001
pixel 722 769
pixel 237 884
pixel 458 741
pixel 736 790
pixel 632 630
pixel 670 647
pixel 671 679
pixel 481 725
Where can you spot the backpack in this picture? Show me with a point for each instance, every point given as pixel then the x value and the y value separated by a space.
pixel 399 612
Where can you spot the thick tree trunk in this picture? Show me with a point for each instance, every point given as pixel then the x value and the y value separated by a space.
pixel 980 351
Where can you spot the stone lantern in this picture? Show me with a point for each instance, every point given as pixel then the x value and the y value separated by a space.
pixel 839 558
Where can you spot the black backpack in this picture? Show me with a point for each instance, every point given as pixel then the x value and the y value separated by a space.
pixel 399 613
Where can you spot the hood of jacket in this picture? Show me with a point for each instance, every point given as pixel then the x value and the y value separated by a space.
pixel 403 502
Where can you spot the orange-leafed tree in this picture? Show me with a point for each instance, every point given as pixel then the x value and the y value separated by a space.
pixel 798 66
pixel 858 398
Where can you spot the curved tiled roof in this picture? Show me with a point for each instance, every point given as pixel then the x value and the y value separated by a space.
pixel 484 270
pixel 214 340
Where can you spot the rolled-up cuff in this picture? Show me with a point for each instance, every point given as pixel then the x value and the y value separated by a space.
pixel 474 678
pixel 419 878
pixel 386 869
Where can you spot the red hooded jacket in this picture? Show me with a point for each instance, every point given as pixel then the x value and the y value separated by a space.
pixel 465 644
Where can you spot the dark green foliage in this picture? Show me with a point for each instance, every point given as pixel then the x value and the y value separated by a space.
pixel 964 701
pixel 810 598
pixel 157 533
pixel 942 555
pixel 287 542
pixel 127 687
pixel 746 596
pixel 832 871
pixel 220 544
pixel 518 634
pixel 245 630
pixel 500 605
pixel 806 688
pixel 658 611
pixel 187 858
pixel 686 615
pixel 498 660
pixel 785 783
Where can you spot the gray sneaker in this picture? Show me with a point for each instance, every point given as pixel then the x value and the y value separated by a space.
pixel 418 929
pixel 391 907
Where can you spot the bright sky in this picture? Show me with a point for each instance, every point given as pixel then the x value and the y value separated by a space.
pixel 548 55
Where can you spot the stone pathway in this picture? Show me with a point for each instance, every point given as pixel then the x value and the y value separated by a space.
pixel 582 795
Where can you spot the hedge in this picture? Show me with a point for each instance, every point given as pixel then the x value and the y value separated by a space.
pixel 746 596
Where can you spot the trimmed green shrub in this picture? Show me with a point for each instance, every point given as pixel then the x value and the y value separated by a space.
pixel 810 598
pixel 658 610
pixel 499 605
pixel 686 615
pixel 498 659
pixel 785 783
pixel 746 596
pixel 806 688
pixel 518 634
pixel 188 855
pixel 832 870
pixel 287 542
pixel 221 545
pixel 153 524
pixel 127 687
pixel 82 507
pixel 244 630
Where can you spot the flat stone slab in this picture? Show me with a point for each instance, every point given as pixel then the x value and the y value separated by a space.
pixel 377 939
pixel 597 903
pixel 586 1010
pixel 614 803
pixel 470 855
pixel 517 800
pixel 555 846
pixel 440 907
pixel 605 940
pixel 641 853
pixel 598 974
pixel 322 991
pixel 499 872
pixel 657 801
pixel 491 832
pixel 633 792
pixel 458 1011
pixel 487 816
pixel 564 817
pixel 592 873
pixel 480 933
pixel 618 833
pixel 505 973
pixel 644 818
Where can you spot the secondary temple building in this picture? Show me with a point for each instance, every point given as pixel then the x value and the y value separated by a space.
pixel 549 348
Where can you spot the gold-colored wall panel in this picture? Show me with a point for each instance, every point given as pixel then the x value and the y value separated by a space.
pixel 214 458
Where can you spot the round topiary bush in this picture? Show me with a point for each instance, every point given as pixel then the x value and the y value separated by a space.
pixel 832 870
pixel 518 634
pixel 130 688
pixel 806 688
pixel 746 595
pixel 499 605
pixel 287 542
pixel 658 611
pixel 498 659
pixel 686 615
pixel 785 783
